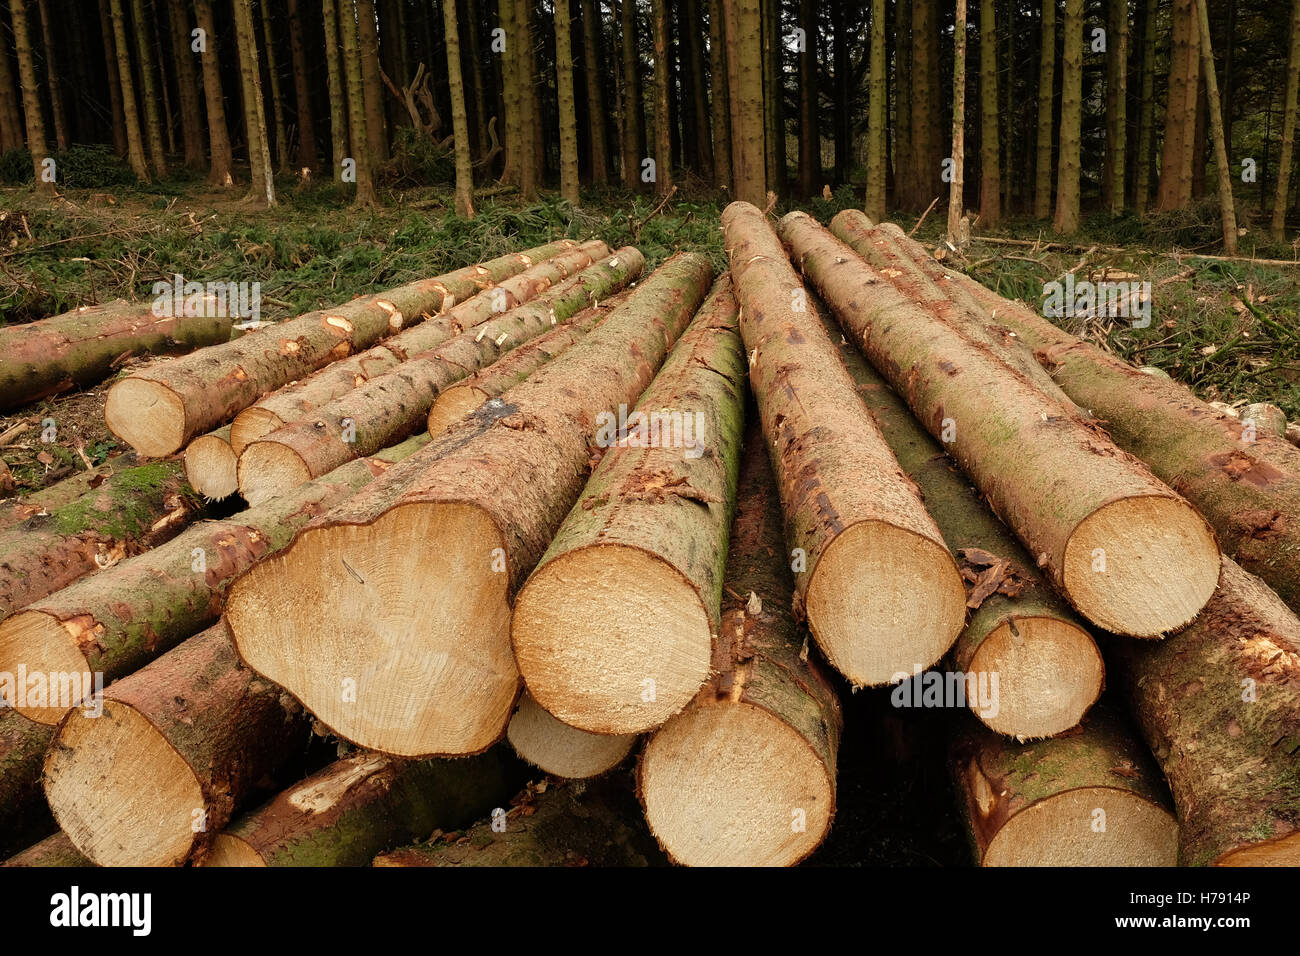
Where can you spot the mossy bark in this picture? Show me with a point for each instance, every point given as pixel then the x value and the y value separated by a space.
pixel 56 850
pixel 23 814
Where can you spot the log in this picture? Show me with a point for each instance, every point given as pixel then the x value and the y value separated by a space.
pixel 1090 798
pixel 128 512
pixel 1217 704
pixel 46 500
pixel 159 410
pixel 299 400
pixel 654 517
pixel 111 624
pixel 365 804
pixel 435 552
pixel 553 746
pixel 1248 490
pixel 82 347
pixel 177 748
pixel 462 399
pixel 210 465
pixel 391 406
pixel 1131 555
pixel 745 775
pixel 550 825
pixel 873 578
pixel 24 816
pixel 56 850
pixel 1048 668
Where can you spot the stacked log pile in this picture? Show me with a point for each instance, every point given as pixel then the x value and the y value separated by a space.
pixel 576 564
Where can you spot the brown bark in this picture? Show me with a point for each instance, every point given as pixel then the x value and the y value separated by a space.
pixel 261 188
pixel 359 119
pixel 719 104
pixel 277 99
pixel 339 98
pixel 218 135
pixel 565 102
pixel 150 99
pixel 24 817
pixel 663 94
pixel 117 120
pixel 459 120
pixel 1046 79
pixel 592 35
pixel 11 120
pixel 52 74
pixel 371 86
pixel 1227 212
pixel 990 172
pixel 470 518
pixel 745 94
pixel 187 83
pixel 36 143
pixel 957 231
pixel 633 109
pixel 307 156
pixel 56 850
pixel 1175 189
pixel 1066 219
pixel 1283 189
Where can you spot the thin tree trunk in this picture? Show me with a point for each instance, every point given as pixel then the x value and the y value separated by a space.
pixel 339 97
pixel 187 82
pixel 168 116
pixel 531 157
pixel 52 74
pixel 719 102
pixel 481 117
pixel 218 133
pixel 1066 220
pixel 277 100
pixel 12 135
pixel 1046 81
pixel 1226 209
pixel 745 92
pixel 633 109
pixel 1277 225
pixel 302 95
pixel 261 189
pixel 36 143
pixel 1147 116
pixel 693 36
pixel 663 95
pixel 459 122
pixel 149 96
pixel 372 88
pixel 1175 189
pixel 566 102
pixel 511 170
pixel 773 89
pixel 116 120
pixel 905 172
pixel 957 187
pixel 359 140
pixel 990 146
pixel 810 154
pixel 878 113
pixel 1116 104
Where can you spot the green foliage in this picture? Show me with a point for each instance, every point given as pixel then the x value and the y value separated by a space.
pixel 417 161
pixel 77 167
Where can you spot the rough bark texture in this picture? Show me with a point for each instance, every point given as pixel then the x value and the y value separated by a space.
pixel 512 470
pixel 206 389
pixel 835 472
pixel 128 512
pixel 1176 158
pixel 592 51
pixel 218 136
pixel 1146 114
pixel 1046 78
pixel 24 817
pixel 302 94
pixel 1282 192
pixel 389 407
pixel 1044 470
pixel 118 620
pixel 36 143
pixel 1217 705
pixel 371 87
pixel 229 726
pixel 335 72
pixel 277 98
pixel 633 111
pixel 1066 220
pixel 663 94
pixel 878 109
pixel 565 102
pixel 1227 213
pixel 56 850
pixel 990 173
pixel 363 805
pixel 672 505
pixel 126 79
pixel 1059 785
pixel 49 356
pixel 150 101
pixel 550 824
pixel 178 20
pixel 261 187
pixel 359 150
pixel 745 94
pixel 459 120
pixel 1116 105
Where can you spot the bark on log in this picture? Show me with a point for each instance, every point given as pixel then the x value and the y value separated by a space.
pixel 654 517
pixel 464 398
pixel 551 824
pixel 553 746
pixel 1130 554
pixel 445 541
pixel 365 804
pixel 24 817
pixel 299 400
pixel 128 512
pixel 46 500
pixel 56 850
pixel 82 347
pixel 1048 668
pixel 210 465
pixel 1089 798
pixel 179 745
pixel 745 775
pixel 1218 706
pixel 873 577
pixel 391 406
pixel 113 623
pixel 160 409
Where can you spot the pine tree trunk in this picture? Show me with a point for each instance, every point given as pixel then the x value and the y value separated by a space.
pixel 1116 105
pixel 1110 536
pixel 878 114
pixel 12 135
pixel 339 97
pixel 277 101
pixel 1277 227
pixel 718 103
pixel 1227 211
pixel 307 158
pixel 36 143
pixel 459 121
pixel 762 736
pixel 149 95
pixel 182 743
pixel 957 187
pixel 663 94
pixel 905 172
pixel 633 108
pixel 116 621
pixel 117 120
pixel 187 83
pixel 364 805
pixel 52 61
pixel 1175 189
pixel 1066 220
pixel 24 815
pixel 531 157
pixel 693 36
pixel 511 172
pixel 1147 118
pixel 168 116
pixel 990 171
pixel 926 149
pixel 745 92
pixel 476 78
pixel 592 61
pixel 809 135
pixel 851 517
pixel 392 405
pixel 56 850
pixel 467 530
pixel 359 139
pixel 773 92
pixel 261 189
pixel 192 395
pixel 566 102
pixel 135 141
pixel 554 747
pixel 372 88
pixel 1092 798
pixel 656 513
pixel 218 133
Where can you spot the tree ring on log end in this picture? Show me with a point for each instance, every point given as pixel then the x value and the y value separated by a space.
pixel 147 415
pixel 452 405
pixel 251 424
pixel 553 746
pixel 230 850
pixel 1281 852
pixel 40 644
pixel 211 467
pixel 267 469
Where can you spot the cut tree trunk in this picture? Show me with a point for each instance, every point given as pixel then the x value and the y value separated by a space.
pixel 56 850
pixel 745 775
pixel 49 356
pixel 1048 668
pixel 1091 798
pixel 115 622
pixel 1218 706
pixel 211 465
pixel 464 398
pixel 596 824
pixel 655 515
pixel 560 750
pixel 365 804
pixel 178 746
pixel 24 817
pixel 873 577
pixel 135 509
pixel 1130 554
pixel 452 534
pixel 159 410
pixel 391 406
pixel 298 400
